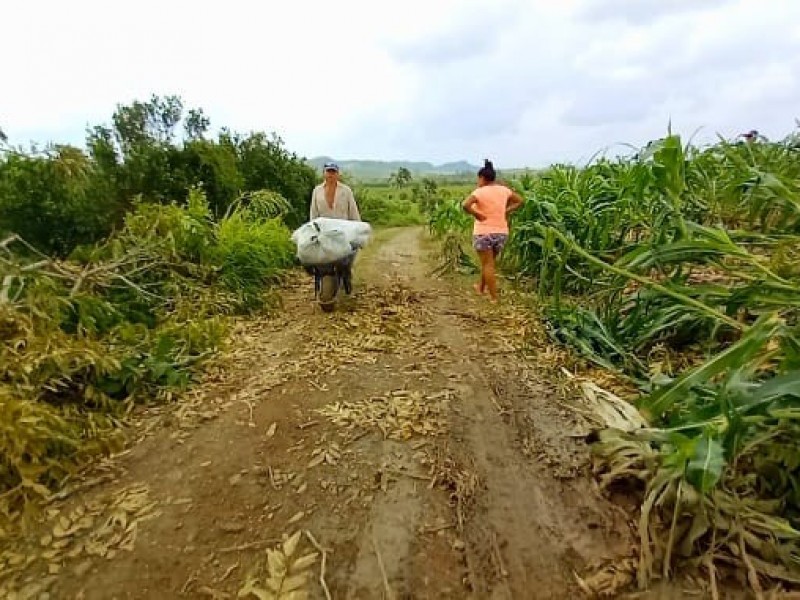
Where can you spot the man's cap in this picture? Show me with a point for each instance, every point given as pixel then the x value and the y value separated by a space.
pixel 331 166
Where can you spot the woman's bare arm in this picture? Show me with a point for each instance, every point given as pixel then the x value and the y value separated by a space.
pixel 469 206
pixel 514 202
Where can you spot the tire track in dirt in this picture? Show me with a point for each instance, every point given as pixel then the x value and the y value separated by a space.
pixel 389 556
pixel 456 478
pixel 528 531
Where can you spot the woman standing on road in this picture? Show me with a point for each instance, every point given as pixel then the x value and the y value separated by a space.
pixel 490 204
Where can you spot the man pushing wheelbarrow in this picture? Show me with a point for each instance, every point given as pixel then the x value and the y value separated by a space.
pixel 328 244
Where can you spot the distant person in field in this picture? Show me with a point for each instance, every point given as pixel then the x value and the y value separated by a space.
pixel 335 200
pixel 752 136
pixel 490 204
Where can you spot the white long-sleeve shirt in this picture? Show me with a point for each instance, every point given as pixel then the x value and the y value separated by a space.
pixel 344 203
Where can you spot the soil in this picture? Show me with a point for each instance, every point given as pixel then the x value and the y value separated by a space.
pixel 416 437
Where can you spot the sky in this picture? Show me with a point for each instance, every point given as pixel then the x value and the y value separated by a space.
pixel 522 82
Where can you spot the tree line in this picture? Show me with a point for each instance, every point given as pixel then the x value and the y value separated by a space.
pixel 60 197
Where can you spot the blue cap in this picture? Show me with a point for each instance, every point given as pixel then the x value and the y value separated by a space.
pixel 331 166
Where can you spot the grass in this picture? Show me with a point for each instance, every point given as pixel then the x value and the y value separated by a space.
pixel 385 206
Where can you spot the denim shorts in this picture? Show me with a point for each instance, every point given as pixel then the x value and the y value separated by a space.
pixel 489 241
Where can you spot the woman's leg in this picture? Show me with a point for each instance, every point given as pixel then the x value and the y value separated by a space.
pixel 497 249
pixel 480 287
pixel 478 244
pixel 488 272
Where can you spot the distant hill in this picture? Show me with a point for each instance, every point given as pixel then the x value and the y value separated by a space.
pixel 381 169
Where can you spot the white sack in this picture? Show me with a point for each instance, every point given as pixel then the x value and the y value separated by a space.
pixel 324 240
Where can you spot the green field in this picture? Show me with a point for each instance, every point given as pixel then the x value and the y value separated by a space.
pixel 385 205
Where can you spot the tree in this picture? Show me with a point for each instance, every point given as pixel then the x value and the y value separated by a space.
pixel 196 124
pixel 148 122
pixel 266 164
pixel 214 168
pixel 54 201
pixel 426 193
pixel 64 197
pixel 137 155
pixel 401 178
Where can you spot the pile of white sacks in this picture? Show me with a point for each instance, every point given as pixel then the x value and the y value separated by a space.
pixel 324 241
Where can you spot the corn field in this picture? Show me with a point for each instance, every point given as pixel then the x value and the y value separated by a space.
pixel 678 270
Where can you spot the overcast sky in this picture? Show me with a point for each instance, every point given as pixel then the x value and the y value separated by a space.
pixel 525 82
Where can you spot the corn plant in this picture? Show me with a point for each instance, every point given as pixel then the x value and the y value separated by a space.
pixel 677 269
pixel 452 226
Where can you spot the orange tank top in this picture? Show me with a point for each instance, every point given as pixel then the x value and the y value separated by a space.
pixel 492 202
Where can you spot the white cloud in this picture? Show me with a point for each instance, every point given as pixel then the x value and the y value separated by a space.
pixel 520 81
pixel 643 11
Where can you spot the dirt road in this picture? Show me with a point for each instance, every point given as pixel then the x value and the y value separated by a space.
pixel 411 434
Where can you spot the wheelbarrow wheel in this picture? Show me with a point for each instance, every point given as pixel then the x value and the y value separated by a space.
pixel 327 292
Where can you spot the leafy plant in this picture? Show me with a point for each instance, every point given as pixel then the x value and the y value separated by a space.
pixel 676 268
pixel 126 320
pixel 251 254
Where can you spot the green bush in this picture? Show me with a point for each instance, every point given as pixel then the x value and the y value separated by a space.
pixel 54 200
pixel 126 320
pixel 251 254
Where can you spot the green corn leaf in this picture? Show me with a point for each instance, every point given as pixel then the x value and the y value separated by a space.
pixel 751 343
pixel 782 386
pixel 704 468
